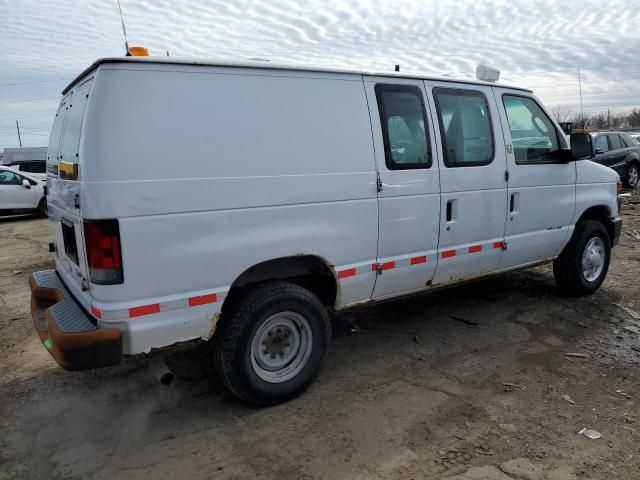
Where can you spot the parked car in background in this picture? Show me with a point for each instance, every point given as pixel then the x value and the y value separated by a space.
pixel 35 169
pixel 20 193
pixel 636 137
pixel 618 150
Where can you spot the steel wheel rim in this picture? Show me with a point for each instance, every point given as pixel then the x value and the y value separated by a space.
pixel 633 176
pixel 593 258
pixel 281 347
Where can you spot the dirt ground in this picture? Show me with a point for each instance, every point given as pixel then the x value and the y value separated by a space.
pixel 469 383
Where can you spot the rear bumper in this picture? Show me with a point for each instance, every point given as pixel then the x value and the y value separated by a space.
pixel 67 332
pixel 614 228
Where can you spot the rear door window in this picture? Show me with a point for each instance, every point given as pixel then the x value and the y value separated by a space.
pixel 70 141
pixel 465 127
pixel 533 135
pixel 53 153
pixel 615 142
pixel 601 144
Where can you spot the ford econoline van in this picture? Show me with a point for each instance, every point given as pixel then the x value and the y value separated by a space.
pixel 240 203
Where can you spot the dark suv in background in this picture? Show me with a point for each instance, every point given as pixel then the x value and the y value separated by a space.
pixel 619 151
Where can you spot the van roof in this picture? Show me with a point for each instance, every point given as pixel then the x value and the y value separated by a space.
pixel 267 65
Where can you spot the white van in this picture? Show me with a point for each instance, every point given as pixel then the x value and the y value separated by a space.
pixel 241 202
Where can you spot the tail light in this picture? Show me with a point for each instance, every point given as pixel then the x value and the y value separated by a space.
pixel 102 238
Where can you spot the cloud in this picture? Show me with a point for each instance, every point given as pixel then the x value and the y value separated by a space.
pixel 43 40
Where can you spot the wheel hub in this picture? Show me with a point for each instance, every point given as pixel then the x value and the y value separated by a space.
pixel 281 347
pixel 593 259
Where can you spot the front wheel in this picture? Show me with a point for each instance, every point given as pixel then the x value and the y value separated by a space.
pixel 632 176
pixel 272 344
pixel 583 264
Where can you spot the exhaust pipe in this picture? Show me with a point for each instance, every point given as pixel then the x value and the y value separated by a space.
pixel 160 370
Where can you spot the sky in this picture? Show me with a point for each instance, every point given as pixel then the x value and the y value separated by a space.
pixel 540 44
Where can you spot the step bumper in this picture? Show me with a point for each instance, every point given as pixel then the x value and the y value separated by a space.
pixel 71 336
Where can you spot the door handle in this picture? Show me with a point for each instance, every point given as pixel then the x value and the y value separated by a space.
pixel 514 202
pixel 452 210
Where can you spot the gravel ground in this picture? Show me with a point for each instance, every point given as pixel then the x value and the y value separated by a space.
pixel 468 383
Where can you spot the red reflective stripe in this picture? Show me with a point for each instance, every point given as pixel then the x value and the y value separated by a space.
pixel 203 300
pixel 448 253
pixel 388 265
pixel 349 272
pixel 374 267
pixel 475 248
pixel 416 260
pixel 144 310
pixel 497 244
pixel 96 312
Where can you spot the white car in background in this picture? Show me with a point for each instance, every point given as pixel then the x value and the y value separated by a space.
pixel 20 193
pixel 36 169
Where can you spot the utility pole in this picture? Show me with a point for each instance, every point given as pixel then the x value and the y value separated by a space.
pixel 19 139
pixel 580 87
pixel 608 119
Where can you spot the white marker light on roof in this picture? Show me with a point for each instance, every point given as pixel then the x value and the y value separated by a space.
pixel 487 74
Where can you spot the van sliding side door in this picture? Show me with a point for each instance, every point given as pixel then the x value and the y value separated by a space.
pixel 408 185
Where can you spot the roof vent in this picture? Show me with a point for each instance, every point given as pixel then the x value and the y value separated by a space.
pixel 487 74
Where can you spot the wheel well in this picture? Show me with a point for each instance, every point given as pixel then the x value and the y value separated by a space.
pixel 601 214
pixel 308 271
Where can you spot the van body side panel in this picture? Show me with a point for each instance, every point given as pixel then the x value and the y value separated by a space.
pixel 211 171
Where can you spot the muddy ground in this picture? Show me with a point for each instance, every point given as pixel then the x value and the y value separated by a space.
pixel 471 383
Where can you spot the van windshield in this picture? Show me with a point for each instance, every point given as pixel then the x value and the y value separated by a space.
pixel 70 141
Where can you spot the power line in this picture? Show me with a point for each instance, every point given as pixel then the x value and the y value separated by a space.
pixel 33 81
pixel 599 67
pixel 31 100
pixel 11 119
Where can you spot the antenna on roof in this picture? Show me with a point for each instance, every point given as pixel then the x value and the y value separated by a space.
pixel 397 69
pixel 124 30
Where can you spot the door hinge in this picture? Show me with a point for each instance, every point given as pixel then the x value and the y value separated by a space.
pixel 378 182
pixel 378 268
pixel 76 201
pixel 504 245
pixel 506 175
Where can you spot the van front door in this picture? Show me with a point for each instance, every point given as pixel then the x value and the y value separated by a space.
pixel 408 185
pixel 542 193
pixel 472 179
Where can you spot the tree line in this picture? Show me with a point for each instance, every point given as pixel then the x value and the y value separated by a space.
pixel 599 121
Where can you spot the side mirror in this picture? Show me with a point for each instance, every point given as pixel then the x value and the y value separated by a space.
pixel 599 151
pixel 26 184
pixel 581 146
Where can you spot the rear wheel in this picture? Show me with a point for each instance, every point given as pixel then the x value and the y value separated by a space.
pixel 583 264
pixel 42 208
pixel 272 344
pixel 632 176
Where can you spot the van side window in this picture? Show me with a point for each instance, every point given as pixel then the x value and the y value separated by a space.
pixel 601 144
pixel 404 126
pixel 465 127
pixel 70 141
pixel 533 135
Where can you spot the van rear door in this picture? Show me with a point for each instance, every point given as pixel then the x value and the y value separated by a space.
pixel 64 183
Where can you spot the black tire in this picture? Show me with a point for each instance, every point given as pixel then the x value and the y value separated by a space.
pixel 568 268
pixel 631 176
pixel 238 332
pixel 42 208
